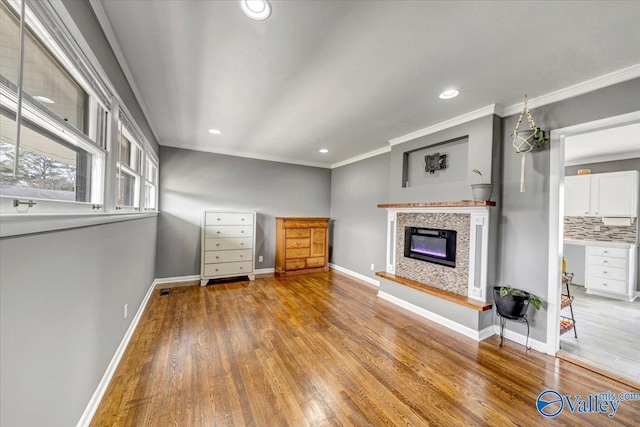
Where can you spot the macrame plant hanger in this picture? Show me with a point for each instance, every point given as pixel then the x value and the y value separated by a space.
pixel 524 144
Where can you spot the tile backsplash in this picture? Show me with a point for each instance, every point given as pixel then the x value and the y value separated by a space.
pixel 583 228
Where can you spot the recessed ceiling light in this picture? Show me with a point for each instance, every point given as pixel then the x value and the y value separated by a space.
pixel 449 93
pixel 215 131
pixel 44 99
pixel 323 150
pixel 256 9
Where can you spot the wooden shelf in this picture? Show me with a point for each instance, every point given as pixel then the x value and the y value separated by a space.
pixel 460 204
pixel 440 293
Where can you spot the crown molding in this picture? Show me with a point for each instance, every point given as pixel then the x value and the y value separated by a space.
pixel 464 118
pixel 577 89
pixel 362 157
pixel 101 14
pixel 249 155
pixel 603 158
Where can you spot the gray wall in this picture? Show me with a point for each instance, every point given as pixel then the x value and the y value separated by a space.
pixel 62 296
pixel 524 223
pixel 191 181
pixel 86 21
pixel 359 228
pixel 480 133
pixel 604 167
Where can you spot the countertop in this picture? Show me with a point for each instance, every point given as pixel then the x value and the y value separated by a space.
pixel 598 243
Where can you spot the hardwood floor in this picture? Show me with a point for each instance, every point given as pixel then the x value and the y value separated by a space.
pixel 608 333
pixel 322 349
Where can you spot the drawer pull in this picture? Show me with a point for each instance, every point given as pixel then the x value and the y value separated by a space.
pixel 218 219
pixel 606 252
pixel 241 268
pixel 596 213
pixel 217 244
pixel 605 261
pixel 586 213
pixel 242 219
pixel 241 256
pixel 604 284
pixel 217 232
pixel 216 269
pixel 241 244
pixel 217 257
pixel 242 232
pixel 605 272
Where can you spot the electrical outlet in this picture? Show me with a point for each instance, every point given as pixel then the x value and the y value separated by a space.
pixel 260 258
pixel 596 228
pixel 373 267
pixel 125 311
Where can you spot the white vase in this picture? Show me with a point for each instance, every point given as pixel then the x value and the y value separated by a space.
pixel 481 192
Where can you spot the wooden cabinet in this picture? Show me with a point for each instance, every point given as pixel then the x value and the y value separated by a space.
pixel 611 271
pixel 302 245
pixel 613 194
pixel 228 245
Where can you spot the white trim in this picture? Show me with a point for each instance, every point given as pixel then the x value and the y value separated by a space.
pixel 603 158
pixel 356 275
pixel 464 118
pixel 248 155
pixel 101 15
pixel 464 330
pixel 265 270
pixel 577 89
pixel 20 224
pixel 177 279
pixel 521 339
pixel 362 157
pixel 93 404
pixel 487 332
pixel 556 215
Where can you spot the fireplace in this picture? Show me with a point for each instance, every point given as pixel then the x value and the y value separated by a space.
pixel 431 245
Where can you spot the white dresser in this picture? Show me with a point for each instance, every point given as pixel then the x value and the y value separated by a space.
pixel 611 271
pixel 227 245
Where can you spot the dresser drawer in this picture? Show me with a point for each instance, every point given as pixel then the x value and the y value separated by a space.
pixel 608 252
pixel 315 262
pixel 229 243
pixel 297 253
pixel 607 272
pixel 607 285
pixel 218 231
pixel 228 218
pixel 214 257
pixel 305 224
pixel 607 261
pixel 294 264
pixel 297 232
pixel 297 243
pixel 239 268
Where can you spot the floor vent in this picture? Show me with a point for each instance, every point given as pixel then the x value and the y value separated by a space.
pixel 165 291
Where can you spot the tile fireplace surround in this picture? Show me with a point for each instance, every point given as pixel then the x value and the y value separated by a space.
pixel 472 222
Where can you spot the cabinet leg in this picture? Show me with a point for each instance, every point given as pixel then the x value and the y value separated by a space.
pixel 204 282
pixel 252 277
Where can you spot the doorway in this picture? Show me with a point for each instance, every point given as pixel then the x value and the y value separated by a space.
pixel 559 140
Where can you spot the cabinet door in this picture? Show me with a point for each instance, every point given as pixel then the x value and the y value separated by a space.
pixel 612 194
pixel 318 238
pixel 576 195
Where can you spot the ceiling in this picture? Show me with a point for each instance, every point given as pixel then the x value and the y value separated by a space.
pixel 604 145
pixel 351 75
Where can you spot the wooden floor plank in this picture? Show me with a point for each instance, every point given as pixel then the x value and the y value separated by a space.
pixel 322 349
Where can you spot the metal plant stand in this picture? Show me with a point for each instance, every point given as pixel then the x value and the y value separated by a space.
pixel 503 322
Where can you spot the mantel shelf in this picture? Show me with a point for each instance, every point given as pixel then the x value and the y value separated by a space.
pixel 440 293
pixel 460 204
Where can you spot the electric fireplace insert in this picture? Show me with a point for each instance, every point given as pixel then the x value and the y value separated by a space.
pixel 431 245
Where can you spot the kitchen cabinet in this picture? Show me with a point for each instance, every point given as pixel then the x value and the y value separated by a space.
pixel 613 194
pixel 611 271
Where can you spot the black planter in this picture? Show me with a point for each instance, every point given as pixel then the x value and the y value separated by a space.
pixel 511 306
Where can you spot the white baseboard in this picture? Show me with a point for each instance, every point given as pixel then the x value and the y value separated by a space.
pixel 93 404
pixel 464 330
pixel 521 339
pixel 178 279
pixel 265 270
pixel 356 275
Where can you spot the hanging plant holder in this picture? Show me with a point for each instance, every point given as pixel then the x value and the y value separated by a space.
pixel 527 140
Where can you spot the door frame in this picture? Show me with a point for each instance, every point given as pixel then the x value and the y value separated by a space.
pixel 556 214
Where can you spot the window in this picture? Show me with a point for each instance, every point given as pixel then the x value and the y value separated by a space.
pixel 58 158
pixel 61 149
pixel 150 184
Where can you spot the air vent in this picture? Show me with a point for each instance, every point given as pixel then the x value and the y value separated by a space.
pixel 165 291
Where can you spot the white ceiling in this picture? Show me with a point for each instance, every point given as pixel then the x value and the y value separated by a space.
pixel 604 145
pixel 351 75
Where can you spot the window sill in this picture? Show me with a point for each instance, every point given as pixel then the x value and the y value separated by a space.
pixel 22 224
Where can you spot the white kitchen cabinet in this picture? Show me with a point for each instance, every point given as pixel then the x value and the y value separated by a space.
pixel 228 245
pixel 613 194
pixel 611 271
